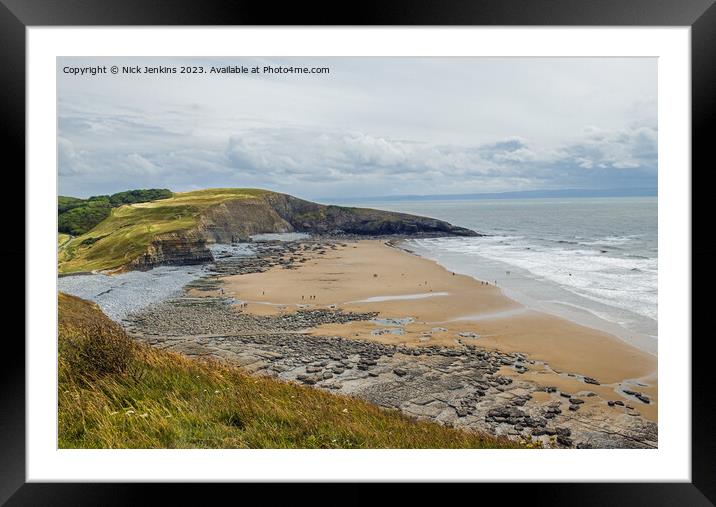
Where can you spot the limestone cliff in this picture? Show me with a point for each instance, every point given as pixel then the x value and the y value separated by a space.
pixel 274 212
pixel 177 230
pixel 174 249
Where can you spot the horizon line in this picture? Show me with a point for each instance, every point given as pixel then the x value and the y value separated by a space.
pixel 541 193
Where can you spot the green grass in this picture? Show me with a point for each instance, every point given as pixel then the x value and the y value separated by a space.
pixel 78 219
pixel 123 236
pixel 67 203
pixel 208 197
pixel 128 230
pixel 115 393
pixel 78 216
pixel 62 238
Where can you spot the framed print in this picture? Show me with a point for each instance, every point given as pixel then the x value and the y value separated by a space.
pixel 422 244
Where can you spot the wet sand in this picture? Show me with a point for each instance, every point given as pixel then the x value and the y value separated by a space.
pixel 447 309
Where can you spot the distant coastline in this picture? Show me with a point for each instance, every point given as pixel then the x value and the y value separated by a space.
pixel 524 194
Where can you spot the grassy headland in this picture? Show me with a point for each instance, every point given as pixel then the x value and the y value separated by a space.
pixel 176 229
pixel 129 229
pixel 76 216
pixel 116 393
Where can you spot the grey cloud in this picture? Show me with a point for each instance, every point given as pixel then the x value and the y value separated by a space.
pixel 622 149
pixel 374 126
pixel 302 156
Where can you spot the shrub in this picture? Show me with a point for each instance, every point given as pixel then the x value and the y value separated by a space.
pixel 142 195
pixel 78 216
pixel 67 203
pixel 80 219
pixel 94 348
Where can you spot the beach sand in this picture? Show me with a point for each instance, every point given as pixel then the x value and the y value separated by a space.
pixel 448 309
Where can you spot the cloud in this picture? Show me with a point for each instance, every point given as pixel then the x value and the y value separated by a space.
pixel 630 148
pixel 140 165
pixel 68 160
pixel 306 155
pixel 301 157
pixel 373 127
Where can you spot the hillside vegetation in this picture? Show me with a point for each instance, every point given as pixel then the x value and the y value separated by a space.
pixel 116 393
pixel 62 238
pixel 77 216
pixel 175 230
pixel 128 230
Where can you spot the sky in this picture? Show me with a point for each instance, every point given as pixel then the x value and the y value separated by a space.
pixel 369 127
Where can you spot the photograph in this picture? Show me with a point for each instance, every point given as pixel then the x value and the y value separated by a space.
pixel 454 243
pixel 343 252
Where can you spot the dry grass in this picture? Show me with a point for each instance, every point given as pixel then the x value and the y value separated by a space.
pixel 129 229
pixel 62 238
pixel 134 396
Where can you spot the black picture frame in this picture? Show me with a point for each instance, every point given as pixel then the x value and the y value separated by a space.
pixel 700 15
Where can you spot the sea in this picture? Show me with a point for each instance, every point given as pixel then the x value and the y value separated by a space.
pixel 590 260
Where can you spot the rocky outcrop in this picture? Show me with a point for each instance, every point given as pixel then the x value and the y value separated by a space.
pixel 464 386
pixel 237 219
pixel 173 249
pixel 306 216
pixel 274 213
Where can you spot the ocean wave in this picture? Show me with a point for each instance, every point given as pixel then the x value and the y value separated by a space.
pixel 614 241
pixel 626 282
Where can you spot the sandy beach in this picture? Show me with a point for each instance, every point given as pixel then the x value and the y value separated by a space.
pixel 421 304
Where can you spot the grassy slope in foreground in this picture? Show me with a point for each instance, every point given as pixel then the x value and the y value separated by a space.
pixel 115 393
pixel 128 231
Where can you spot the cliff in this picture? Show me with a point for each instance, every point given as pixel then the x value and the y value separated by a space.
pixel 236 220
pixel 173 249
pixel 177 230
pixel 310 217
